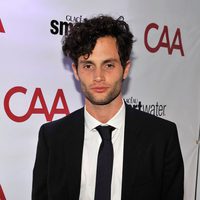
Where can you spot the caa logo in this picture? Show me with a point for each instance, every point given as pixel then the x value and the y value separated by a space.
pixel 1 27
pixel 164 40
pixel 37 96
pixel 2 196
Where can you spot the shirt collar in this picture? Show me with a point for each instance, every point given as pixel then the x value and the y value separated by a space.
pixel 116 121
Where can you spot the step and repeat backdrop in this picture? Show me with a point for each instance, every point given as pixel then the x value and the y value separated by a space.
pixel 37 83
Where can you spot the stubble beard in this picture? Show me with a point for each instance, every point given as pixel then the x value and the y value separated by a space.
pixel 112 95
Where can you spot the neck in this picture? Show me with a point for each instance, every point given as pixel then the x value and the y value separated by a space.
pixel 104 113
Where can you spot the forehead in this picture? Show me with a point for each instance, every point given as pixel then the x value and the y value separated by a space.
pixel 106 41
pixel 105 48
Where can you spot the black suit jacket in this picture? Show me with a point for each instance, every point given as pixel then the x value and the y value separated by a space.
pixel 152 164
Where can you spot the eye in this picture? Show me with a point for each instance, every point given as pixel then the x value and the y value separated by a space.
pixel 109 66
pixel 88 66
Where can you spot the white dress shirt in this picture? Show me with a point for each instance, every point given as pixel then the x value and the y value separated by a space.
pixel 92 141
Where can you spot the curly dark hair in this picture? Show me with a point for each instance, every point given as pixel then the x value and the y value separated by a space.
pixel 82 37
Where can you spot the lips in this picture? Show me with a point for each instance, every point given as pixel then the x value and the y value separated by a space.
pixel 99 89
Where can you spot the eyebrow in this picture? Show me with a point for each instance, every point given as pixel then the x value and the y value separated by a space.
pixel 109 60
pixel 86 62
pixel 103 62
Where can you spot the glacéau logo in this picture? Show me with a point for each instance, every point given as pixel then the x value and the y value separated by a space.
pixel 2 30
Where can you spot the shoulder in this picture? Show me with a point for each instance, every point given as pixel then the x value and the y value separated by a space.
pixel 67 123
pixel 150 128
pixel 71 118
pixel 148 120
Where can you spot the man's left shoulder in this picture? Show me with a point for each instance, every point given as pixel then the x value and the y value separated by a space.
pixel 147 119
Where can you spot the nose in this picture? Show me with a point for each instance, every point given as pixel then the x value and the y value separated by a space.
pixel 99 75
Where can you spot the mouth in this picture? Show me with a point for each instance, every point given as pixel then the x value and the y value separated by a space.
pixel 99 89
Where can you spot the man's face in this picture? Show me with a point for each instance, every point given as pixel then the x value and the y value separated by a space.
pixel 101 73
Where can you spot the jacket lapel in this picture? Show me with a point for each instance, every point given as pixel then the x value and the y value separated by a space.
pixel 131 150
pixel 74 149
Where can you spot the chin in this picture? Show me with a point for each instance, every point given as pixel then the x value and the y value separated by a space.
pixel 101 101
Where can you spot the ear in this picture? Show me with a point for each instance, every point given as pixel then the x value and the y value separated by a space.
pixel 127 69
pixel 75 70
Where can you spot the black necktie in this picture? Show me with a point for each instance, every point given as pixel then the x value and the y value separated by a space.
pixel 104 164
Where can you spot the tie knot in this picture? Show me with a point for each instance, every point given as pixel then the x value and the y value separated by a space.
pixel 105 132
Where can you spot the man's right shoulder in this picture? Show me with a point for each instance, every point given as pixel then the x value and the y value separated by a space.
pixel 71 120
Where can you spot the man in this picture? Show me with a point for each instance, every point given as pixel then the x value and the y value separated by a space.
pixel 141 161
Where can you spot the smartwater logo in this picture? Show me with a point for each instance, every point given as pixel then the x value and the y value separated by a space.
pixel 63 27
pixel 156 109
